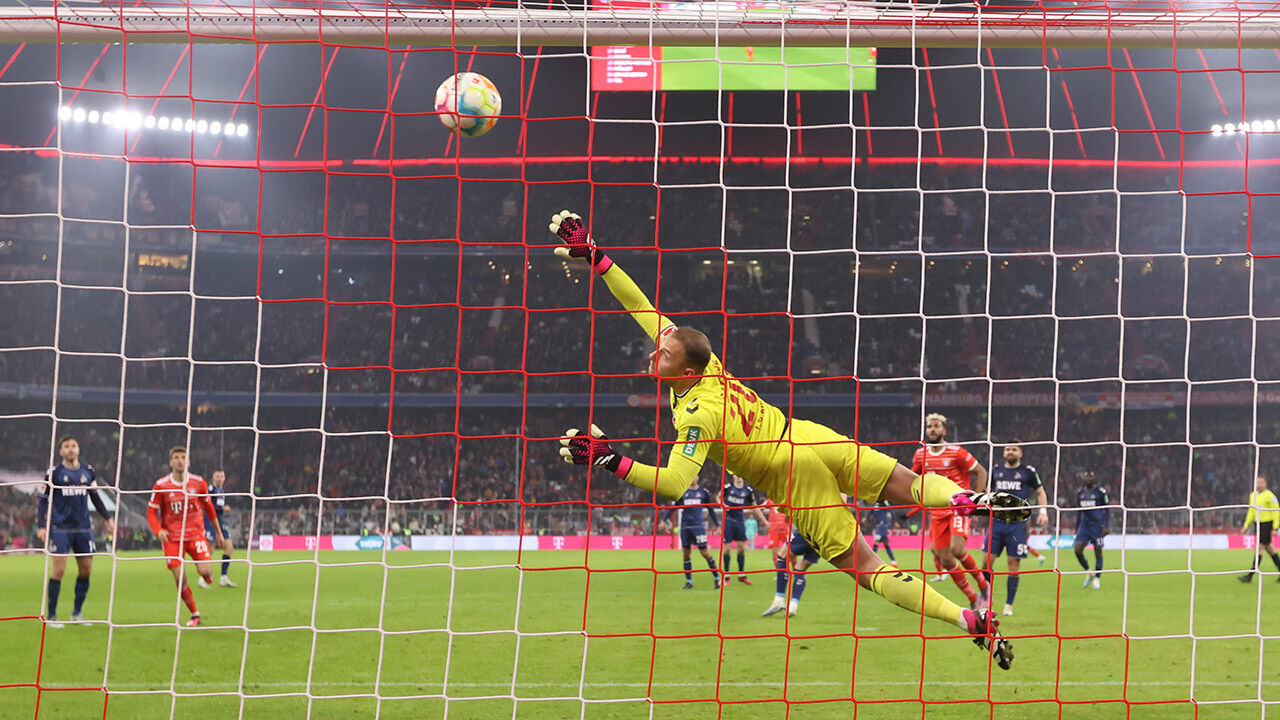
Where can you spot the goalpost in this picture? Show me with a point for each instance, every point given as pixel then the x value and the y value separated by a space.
pixel 241 229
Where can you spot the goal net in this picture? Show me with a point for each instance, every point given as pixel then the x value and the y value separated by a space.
pixel 245 231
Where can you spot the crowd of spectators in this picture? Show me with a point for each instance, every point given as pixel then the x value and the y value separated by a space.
pixel 414 352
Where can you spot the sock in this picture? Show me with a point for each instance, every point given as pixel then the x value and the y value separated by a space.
pixel 781 587
pixel 1032 551
pixel 1097 571
pixel 989 577
pixel 909 593
pixel 962 582
pixel 938 564
pixel 82 590
pixel 688 571
pixel 972 566
pixel 933 491
pixel 1011 590
pixel 226 564
pixel 189 599
pixel 1080 556
pixel 1276 559
pixel 711 563
pixel 54 587
pixel 724 561
pixel 742 561
pixel 208 577
pixel 890 551
pixel 797 587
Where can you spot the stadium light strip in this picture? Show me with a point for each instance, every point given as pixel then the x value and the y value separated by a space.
pixel 135 121
pixel 1255 126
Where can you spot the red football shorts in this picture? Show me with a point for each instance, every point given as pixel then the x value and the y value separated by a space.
pixel 942 525
pixel 197 548
pixel 779 537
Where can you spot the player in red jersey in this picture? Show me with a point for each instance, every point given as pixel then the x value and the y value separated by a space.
pixel 178 500
pixel 780 543
pixel 948 531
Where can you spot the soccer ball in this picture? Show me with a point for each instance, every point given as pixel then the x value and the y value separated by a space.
pixel 468 104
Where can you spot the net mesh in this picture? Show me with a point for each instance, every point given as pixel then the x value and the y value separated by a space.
pixel 274 255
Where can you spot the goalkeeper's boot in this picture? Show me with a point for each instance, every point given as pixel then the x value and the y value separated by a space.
pixel 194 621
pixel 226 582
pixel 204 583
pixel 1006 507
pixel 776 607
pixel 985 630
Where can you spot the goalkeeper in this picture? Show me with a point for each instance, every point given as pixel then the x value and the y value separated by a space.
pixel 798 464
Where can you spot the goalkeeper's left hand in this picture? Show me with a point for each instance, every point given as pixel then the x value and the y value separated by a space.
pixel 578 448
pixel 570 228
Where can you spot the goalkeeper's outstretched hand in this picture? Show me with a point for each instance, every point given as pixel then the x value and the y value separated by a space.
pixel 579 448
pixel 570 228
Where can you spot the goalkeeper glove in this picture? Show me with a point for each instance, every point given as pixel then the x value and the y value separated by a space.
pixel 578 448
pixel 578 244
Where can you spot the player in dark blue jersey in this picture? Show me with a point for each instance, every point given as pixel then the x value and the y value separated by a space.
pixel 1023 482
pixel 693 530
pixel 1091 525
pixel 803 557
pixel 737 497
pixel 218 496
pixel 64 526
pixel 882 517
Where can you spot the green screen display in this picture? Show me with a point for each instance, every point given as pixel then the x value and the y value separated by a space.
pixel 767 68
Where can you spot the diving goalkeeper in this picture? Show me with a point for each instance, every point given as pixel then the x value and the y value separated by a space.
pixel 798 464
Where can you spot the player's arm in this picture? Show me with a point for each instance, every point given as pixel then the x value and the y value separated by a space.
pixel 687 457
pixel 153 517
pixel 1106 510
pixel 977 476
pixel 917 462
pixel 210 512
pixel 578 244
pixel 1244 529
pixel 42 507
pixel 1042 517
pixel 711 512
pixel 95 496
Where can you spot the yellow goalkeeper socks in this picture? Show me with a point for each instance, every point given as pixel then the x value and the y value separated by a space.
pixel 933 491
pixel 915 595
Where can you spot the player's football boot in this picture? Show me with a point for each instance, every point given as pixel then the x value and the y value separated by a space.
pixel 776 607
pixel 1041 563
pixel 77 617
pixel 1008 609
pixel 938 578
pixel 715 581
pixel 745 580
pixel 688 585
pixel 793 608
pixel 1097 583
pixel 194 621
pixel 226 582
pixel 1006 506
pixel 204 583
pixel 1246 578
pixel 52 621
pixel 1087 580
pixel 985 630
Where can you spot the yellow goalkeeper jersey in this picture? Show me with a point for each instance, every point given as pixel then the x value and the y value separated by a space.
pixel 719 416
pixel 1264 506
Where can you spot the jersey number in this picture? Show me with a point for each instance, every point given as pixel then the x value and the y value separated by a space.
pixel 738 393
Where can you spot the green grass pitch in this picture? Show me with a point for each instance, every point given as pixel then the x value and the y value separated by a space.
pixel 734 655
